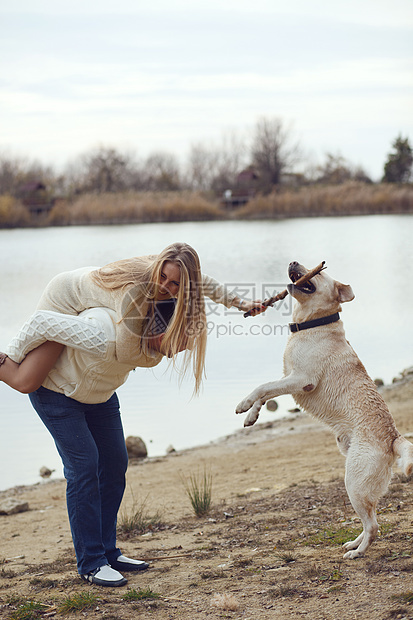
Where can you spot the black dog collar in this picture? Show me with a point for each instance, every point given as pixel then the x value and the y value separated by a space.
pixel 324 320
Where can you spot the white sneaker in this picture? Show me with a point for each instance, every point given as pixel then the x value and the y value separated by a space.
pixel 105 576
pixel 124 563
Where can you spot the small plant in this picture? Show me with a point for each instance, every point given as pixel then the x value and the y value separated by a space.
pixel 335 575
pixel 403 597
pixel 242 562
pixel 335 537
pixel 199 490
pixel 288 557
pixel 396 555
pixel 7 573
pixel 313 572
pixel 407 568
pixel 139 595
pixel 213 574
pixel 285 591
pixel 29 610
pixel 139 520
pixel 15 599
pixel 225 601
pixel 44 583
pixel 78 602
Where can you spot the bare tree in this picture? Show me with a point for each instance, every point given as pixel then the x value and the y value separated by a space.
pixel 273 152
pixel 161 172
pixel 216 167
pixel 11 174
pixel 101 170
pixel 337 170
pixel 16 172
pixel 231 159
pixel 201 167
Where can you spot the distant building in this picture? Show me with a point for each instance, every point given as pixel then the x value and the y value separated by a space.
pixel 293 179
pixel 35 197
pixel 245 188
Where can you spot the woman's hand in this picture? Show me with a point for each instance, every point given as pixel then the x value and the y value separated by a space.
pixel 253 307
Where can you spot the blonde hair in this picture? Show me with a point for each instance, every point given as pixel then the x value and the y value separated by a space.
pixel 187 328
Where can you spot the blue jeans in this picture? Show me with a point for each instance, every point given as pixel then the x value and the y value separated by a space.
pixel 90 441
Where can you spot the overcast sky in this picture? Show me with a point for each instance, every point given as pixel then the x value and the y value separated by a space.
pixel 162 75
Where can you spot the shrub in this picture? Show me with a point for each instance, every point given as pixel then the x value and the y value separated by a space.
pixel 138 521
pixel 199 490
pixel 12 213
pixel 139 595
pixel 78 602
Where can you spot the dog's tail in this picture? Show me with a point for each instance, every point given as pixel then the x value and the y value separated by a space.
pixel 403 450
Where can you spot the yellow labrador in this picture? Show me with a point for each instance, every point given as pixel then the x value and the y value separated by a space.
pixel 327 379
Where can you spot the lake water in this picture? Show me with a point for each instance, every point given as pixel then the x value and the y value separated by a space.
pixel 374 254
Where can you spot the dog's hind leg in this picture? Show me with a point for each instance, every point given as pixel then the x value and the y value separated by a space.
pixel 368 474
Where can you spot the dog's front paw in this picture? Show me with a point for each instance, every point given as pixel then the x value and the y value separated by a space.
pixel 245 404
pixel 253 414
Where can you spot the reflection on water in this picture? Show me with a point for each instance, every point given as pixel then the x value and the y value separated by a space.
pixel 373 254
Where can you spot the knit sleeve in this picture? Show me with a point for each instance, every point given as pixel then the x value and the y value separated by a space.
pixel 219 293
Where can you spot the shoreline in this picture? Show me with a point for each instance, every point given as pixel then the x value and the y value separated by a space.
pixel 289 424
pixel 241 437
pixel 230 217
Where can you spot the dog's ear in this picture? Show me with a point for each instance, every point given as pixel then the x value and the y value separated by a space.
pixel 345 292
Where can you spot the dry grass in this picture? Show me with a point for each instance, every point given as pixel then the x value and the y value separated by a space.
pixel 352 198
pixel 132 207
pixel 138 520
pixel 12 213
pixel 224 601
pixel 199 490
pixel 346 199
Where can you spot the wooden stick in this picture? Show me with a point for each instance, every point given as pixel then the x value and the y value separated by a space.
pixel 310 274
pixel 168 557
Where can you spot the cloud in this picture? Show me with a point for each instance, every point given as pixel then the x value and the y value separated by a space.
pixel 166 75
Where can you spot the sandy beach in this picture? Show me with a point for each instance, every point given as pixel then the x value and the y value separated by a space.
pixel 269 548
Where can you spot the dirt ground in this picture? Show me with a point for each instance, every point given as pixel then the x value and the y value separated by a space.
pixel 269 548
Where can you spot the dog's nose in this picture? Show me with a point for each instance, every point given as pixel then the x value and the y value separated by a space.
pixel 293 264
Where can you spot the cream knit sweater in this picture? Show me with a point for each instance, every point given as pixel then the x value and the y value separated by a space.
pixel 85 377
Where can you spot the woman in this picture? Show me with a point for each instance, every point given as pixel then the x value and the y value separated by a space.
pixel 128 314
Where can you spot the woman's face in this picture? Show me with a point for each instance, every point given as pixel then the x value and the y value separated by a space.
pixel 169 282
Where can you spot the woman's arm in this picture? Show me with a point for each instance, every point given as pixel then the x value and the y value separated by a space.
pixel 254 307
pixel 29 375
pixel 221 294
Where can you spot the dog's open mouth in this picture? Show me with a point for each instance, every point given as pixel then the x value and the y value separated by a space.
pixel 294 275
